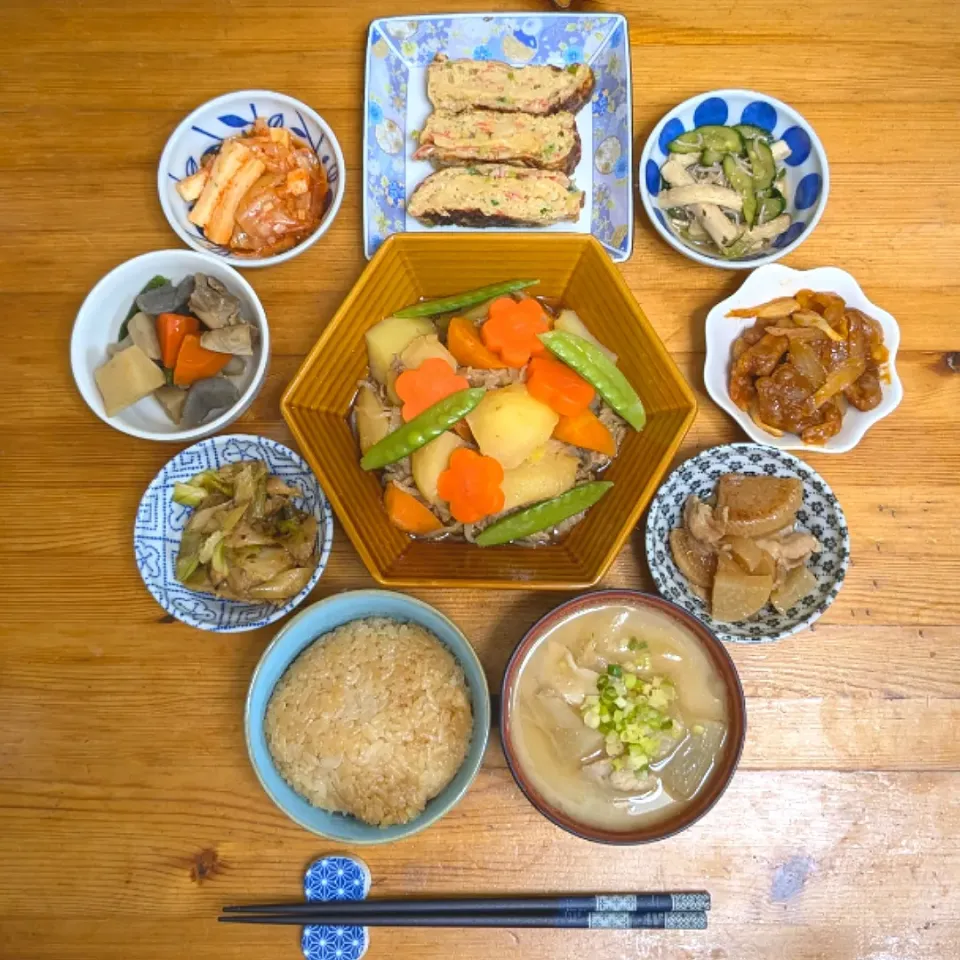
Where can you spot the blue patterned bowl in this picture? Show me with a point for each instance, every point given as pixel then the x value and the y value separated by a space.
pixel 160 522
pixel 821 515
pixel 227 116
pixel 808 175
pixel 299 633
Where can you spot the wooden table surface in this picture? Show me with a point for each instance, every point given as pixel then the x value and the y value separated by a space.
pixel 128 810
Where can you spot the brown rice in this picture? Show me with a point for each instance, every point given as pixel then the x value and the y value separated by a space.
pixel 372 719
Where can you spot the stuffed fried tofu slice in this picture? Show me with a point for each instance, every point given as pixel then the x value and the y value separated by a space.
pixel 496 195
pixel 485 136
pixel 458 85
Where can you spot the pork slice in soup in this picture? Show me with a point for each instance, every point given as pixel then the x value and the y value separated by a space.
pixel 618 717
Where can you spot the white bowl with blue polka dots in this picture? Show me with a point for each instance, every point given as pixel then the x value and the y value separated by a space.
pixel 808 174
pixel 231 115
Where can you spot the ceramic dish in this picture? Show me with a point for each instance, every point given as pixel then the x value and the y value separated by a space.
pixel 299 633
pixel 104 310
pixel 398 52
pixel 335 879
pixel 821 515
pixel 226 116
pixel 720 777
pixel 410 266
pixel 808 174
pixel 160 523
pixel 781 281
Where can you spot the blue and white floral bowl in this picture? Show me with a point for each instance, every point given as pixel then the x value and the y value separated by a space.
pixel 160 523
pixel 820 515
pixel 226 116
pixel 808 175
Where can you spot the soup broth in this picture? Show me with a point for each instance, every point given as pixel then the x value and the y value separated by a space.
pixel 618 717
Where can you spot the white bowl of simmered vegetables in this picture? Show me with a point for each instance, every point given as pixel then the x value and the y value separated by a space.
pixel 802 359
pixel 734 178
pixel 172 345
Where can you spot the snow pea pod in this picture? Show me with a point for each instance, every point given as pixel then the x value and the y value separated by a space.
pixel 597 369
pixel 422 429
pixel 460 301
pixel 543 516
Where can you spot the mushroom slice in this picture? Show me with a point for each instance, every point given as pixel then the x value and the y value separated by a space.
pixel 213 303
pixel 700 193
pixel 236 339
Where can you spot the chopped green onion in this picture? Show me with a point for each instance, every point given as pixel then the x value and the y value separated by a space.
pixel 630 680
pixel 614 669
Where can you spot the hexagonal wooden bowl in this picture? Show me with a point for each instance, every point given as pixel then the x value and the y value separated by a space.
pixel 411 266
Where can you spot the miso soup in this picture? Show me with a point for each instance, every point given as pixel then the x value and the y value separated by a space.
pixel 619 717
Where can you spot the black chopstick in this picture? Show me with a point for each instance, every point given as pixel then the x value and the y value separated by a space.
pixel 601 903
pixel 581 919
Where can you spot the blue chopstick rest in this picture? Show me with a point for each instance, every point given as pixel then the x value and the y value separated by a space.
pixel 328 880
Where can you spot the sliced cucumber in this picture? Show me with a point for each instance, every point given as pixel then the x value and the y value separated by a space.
pixel 762 162
pixel 771 207
pixel 724 139
pixel 742 182
pixel 749 132
pixel 709 157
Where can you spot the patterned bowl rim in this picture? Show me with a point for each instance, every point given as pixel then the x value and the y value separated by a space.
pixel 708 638
pixel 767 280
pixel 166 202
pixel 205 430
pixel 804 471
pixel 775 254
pixel 480 730
pixel 324 514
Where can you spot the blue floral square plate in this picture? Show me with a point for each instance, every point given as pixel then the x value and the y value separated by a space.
pixel 399 50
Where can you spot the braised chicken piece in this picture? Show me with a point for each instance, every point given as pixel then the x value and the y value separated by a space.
pixel 797 372
pixel 741 550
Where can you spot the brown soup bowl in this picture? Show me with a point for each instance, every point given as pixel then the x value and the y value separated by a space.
pixel 719 777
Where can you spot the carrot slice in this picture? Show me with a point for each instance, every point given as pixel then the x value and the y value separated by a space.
pixel 586 431
pixel 428 384
pixel 197 363
pixel 560 388
pixel 171 329
pixel 471 485
pixel 468 349
pixel 512 328
pixel 407 513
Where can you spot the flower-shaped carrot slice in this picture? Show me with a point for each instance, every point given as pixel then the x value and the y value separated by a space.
pixel 512 328
pixel 428 384
pixel 555 384
pixel 471 485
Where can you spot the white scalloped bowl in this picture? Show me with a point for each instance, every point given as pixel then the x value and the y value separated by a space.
pixel 206 128
pixel 776 280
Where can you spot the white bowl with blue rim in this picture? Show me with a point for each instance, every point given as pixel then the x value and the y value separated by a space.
pixel 227 116
pixel 160 523
pixel 98 326
pixel 820 515
pixel 807 171
pixel 779 280
pixel 318 619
